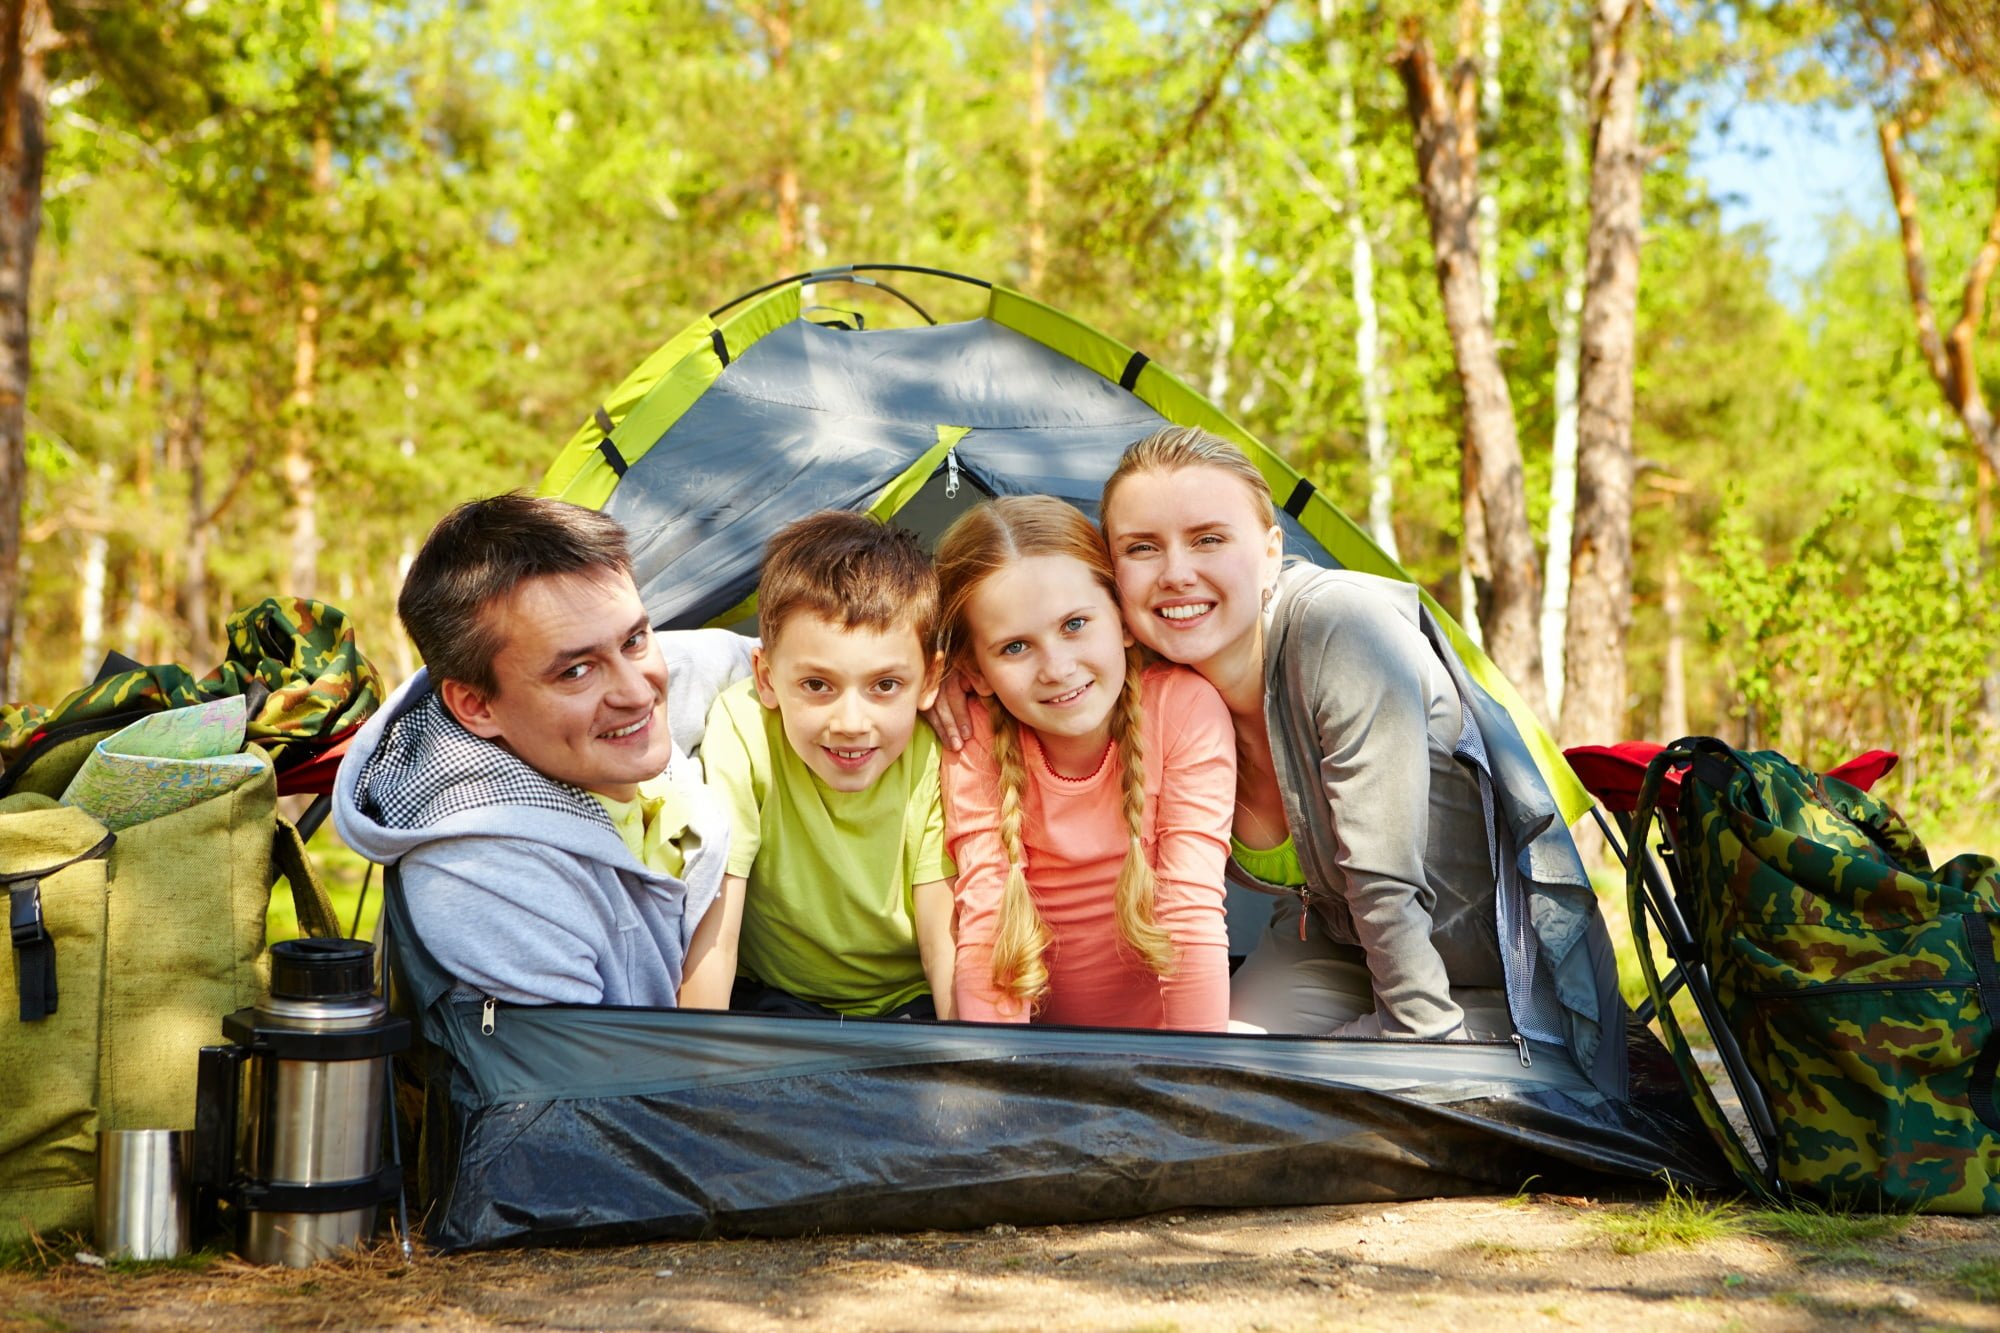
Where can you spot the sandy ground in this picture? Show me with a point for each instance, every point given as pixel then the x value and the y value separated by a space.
pixel 1486 1264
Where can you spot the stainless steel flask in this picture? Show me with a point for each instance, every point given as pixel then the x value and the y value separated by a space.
pixel 289 1119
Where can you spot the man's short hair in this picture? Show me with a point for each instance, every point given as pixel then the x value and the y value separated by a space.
pixel 477 555
pixel 851 570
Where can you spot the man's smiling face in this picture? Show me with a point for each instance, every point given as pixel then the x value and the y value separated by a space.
pixel 580 689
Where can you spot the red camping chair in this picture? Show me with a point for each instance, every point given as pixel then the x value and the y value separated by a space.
pixel 1613 774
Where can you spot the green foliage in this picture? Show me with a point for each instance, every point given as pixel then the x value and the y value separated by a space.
pixel 1680 1219
pixel 1837 1232
pixel 1981 1278
pixel 1873 630
pixel 528 198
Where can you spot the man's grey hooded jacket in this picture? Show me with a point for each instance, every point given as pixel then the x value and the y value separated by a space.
pixel 518 884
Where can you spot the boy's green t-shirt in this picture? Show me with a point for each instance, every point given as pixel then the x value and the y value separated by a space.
pixel 829 916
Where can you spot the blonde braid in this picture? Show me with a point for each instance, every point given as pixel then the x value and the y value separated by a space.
pixel 1135 878
pixel 1023 937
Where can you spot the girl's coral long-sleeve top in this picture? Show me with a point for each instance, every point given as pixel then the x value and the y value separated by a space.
pixel 1074 838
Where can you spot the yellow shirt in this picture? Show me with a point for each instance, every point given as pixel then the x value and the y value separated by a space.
pixel 829 915
pixel 653 825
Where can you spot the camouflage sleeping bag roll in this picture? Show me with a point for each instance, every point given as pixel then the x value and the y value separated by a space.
pixel 1862 986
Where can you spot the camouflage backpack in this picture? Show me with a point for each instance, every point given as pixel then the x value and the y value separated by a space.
pixel 1862 987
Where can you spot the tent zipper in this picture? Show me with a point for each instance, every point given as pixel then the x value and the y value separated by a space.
pixel 951 473
pixel 1521 1048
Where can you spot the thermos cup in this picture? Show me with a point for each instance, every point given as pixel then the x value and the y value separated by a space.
pixel 290 1115
pixel 142 1199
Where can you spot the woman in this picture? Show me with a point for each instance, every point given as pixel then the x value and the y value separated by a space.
pixel 1349 793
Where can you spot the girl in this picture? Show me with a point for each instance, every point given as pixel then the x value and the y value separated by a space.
pixel 1089 810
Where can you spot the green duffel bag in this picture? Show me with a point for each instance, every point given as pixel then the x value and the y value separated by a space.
pixel 1861 984
pixel 128 951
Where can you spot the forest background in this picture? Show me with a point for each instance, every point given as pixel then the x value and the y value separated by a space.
pixel 311 271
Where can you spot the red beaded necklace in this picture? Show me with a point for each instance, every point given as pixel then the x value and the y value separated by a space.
pixel 1061 777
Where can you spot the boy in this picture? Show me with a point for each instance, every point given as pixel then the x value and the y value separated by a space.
pixel 837 845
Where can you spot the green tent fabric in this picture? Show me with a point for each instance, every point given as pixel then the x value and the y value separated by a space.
pixel 757 415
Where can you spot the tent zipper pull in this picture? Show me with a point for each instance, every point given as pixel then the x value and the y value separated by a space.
pixel 1521 1046
pixel 951 473
pixel 486 1016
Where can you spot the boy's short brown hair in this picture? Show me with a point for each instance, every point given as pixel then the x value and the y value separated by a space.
pixel 851 570
pixel 477 555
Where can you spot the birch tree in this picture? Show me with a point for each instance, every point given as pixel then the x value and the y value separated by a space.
pixel 1600 601
pixel 1568 318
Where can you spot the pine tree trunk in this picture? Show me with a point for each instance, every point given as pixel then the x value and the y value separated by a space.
pixel 1381 451
pixel 90 577
pixel 24 97
pixel 776 23
pixel 1224 345
pixel 194 576
pixel 1448 177
pixel 1673 672
pixel 299 467
pixel 1489 129
pixel 914 112
pixel 1562 448
pixel 1038 149
pixel 1600 601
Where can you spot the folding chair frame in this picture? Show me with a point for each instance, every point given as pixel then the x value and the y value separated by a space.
pixel 1658 899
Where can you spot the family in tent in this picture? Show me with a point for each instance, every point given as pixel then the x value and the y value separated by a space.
pixel 1011 782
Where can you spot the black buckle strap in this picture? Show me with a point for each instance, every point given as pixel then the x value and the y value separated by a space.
pixel 34 947
pixel 34 951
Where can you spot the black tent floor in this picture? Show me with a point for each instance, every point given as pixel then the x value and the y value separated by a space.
pixel 574 1126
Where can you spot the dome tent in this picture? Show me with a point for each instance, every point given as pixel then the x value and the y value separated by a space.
pixel 561 1123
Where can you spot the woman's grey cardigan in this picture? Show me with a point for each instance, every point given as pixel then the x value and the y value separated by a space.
pixel 1344 685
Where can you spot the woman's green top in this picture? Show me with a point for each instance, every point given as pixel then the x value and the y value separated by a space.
pixel 1274 865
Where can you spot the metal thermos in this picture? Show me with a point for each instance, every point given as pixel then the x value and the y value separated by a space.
pixel 290 1116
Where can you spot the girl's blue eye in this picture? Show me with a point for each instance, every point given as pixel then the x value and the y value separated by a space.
pixel 1075 624
pixel 1013 649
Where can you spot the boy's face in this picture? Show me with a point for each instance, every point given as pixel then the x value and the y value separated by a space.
pixel 580 686
pixel 849 698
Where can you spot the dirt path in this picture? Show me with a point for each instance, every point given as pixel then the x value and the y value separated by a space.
pixel 1484 1264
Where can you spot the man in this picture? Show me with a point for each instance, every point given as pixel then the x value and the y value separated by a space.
pixel 554 846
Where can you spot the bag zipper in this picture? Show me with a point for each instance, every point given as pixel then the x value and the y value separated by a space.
pixel 486 1010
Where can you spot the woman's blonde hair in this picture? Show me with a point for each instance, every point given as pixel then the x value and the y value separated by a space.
pixel 1177 447
pixel 982 542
